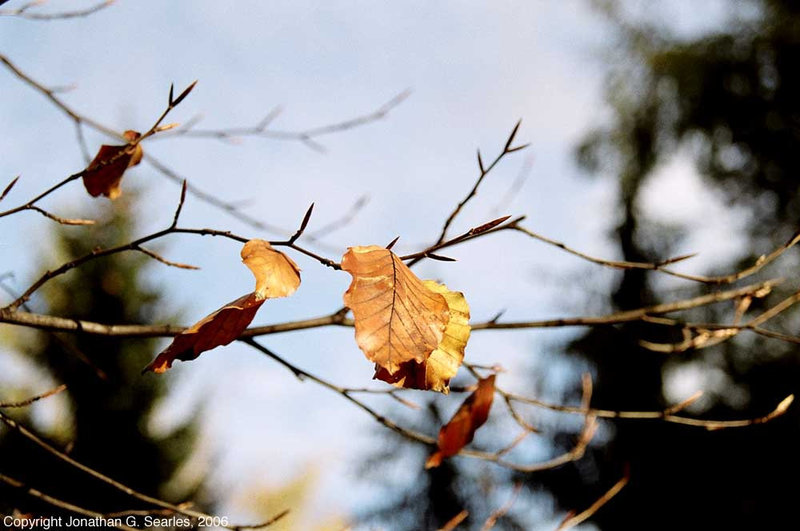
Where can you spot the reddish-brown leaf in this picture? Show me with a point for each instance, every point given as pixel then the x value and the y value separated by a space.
pixel 461 429
pixel 104 174
pixel 276 274
pixel 217 329
pixel 397 318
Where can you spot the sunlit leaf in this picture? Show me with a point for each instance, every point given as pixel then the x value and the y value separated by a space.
pixel 276 274
pixel 397 318
pixel 434 373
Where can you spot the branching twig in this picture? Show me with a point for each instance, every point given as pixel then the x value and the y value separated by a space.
pixel 661 266
pixel 56 502
pixel 484 171
pixel 131 144
pixel 25 432
pixel 307 136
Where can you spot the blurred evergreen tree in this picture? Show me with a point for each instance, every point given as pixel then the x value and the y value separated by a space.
pixel 109 402
pixel 730 101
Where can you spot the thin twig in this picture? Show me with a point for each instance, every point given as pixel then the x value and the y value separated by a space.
pixel 484 171
pixel 502 511
pixel 454 522
pixel 666 415
pixel 56 502
pixel 31 400
pixel 307 137
pixel 25 432
pixel 24 11
pixel 573 520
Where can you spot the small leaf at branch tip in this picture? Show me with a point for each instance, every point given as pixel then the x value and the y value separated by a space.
pixel 76 221
pixel 440 257
pixel 488 226
pixel 391 243
pixel 167 127
pixel 517 148
pixel 784 405
pixel 183 94
pixel 171 91
pixel 480 163
pixel 9 187
pixel 512 135
pixel 306 218
pixel 677 259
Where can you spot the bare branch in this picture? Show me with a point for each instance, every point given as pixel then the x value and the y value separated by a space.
pixel 484 171
pixel 573 520
pixel 455 521
pixel 343 221
pixel 501 512
pixel 31 400
pixel 307 137
pixel 181 509
pixel 667 415
pixel 9 187
pixel 24 11
pixel 56 502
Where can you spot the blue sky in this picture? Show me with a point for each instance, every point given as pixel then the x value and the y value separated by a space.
pixel 473 68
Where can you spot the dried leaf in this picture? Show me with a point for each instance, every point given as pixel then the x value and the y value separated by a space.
pixel 217 329
pixel 397 318
pixel 434 374
pixel 104 174
pixel 276 274
pixel 461 429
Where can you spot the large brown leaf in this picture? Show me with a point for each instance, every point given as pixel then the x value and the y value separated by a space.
pixel 461 429
pixel 104 174
pixel 217 329
pixel 434 373
pixel 397 319
pixel 276 274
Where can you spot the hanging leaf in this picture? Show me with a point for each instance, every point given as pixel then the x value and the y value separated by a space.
pixel 397 318
pixel 434 374
pixel 217 329
pixel 104 174
pixel 276 274
pixel 460 430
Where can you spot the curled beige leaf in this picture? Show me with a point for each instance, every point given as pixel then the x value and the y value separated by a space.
pixel 397 318
pixel 276 274
pixel 434 374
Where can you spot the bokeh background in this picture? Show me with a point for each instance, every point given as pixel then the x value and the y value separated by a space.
pixel 622 163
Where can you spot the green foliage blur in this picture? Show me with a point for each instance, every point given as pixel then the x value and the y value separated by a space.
pixel 109 403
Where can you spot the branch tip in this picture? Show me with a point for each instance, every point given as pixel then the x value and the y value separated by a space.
pixel 9 187
pixel 391 243
pixel 186 91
